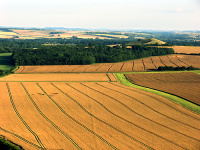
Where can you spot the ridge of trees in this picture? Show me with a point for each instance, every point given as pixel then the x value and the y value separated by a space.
pixel 80 52
pixel 81 55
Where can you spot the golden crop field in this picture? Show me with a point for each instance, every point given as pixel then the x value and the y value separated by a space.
pixel 184 49
pixel 144 64
pixel 93 115
pixel 57 77
pixel 187 49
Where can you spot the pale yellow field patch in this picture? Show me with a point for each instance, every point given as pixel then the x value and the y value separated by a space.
pixel 186 49
pixel 56 77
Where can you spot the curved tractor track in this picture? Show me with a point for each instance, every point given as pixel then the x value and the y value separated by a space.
pixel 94 115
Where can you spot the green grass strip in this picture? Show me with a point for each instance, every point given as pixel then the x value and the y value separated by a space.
pixel 122 79
pixel 6 145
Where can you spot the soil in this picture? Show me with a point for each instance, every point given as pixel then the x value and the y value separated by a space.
pixel 185 85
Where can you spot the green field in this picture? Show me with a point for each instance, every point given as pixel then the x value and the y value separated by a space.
pixel 8 145
pixel 5 61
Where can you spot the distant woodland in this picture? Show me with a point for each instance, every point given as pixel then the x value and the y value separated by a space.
pixel 75 51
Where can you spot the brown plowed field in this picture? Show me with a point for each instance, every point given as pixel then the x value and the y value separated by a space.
pixel 185 85
pixel 144 64
pixel 93 115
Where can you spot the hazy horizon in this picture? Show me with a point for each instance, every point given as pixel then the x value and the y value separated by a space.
pixel 109 14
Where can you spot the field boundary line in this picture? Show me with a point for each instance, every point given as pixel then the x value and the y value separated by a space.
pixel 60 108
pixel 21 138
pixel 130 121
pixel 144 116
pixel 97 117
pixel 173 62
pixel 127 83
pixel 22 120
pixel 45 117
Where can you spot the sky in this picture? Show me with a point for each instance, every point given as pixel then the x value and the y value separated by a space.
pixel 111 14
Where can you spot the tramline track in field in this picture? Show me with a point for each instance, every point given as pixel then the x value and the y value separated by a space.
pixel 181 60
pixel 21 138
pixel 122 66
pixel 143 115
pixel 162 61
pixel 46 118
pixel 122 117
pixel 97 117
pixel 24 122
pixel 153 63
pixel 144 129
pixel 65 113
pixel 132 89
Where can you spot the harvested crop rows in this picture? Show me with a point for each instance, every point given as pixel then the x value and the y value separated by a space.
pixel 185 85
pixel 187 49
pixel 93 115
pixel 184 49
pixel 72 77
pixel 145 64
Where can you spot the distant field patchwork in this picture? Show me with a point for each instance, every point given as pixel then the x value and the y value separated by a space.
pixel 37 34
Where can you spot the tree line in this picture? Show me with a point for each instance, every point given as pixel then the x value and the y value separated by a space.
pixel 81 55
pixel 75 51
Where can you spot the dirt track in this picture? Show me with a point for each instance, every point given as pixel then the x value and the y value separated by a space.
pixel 185 85
pixel 144 64
pixel 103 115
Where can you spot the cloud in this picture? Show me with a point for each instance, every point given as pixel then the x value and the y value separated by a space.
pixel 175 10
